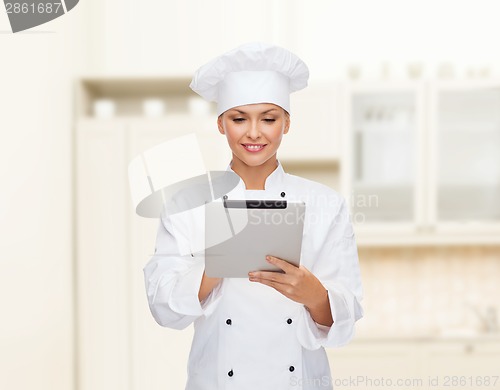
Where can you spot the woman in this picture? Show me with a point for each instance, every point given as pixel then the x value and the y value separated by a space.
pixel 268 331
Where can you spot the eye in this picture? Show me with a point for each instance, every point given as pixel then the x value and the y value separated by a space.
pixel 238 120
pixel 269 120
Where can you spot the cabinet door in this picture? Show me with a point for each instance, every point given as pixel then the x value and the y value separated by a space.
pixel 468 365
pixel 382 176
pixel 103 293
pixel 160 355
pixel 465 169
pixel 314 124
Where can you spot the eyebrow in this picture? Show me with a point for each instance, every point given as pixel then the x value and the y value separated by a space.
pixel 265 112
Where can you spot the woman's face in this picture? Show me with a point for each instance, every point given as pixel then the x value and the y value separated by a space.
pixel 254 131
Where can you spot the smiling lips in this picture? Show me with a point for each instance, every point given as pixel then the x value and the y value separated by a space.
pixel 254 147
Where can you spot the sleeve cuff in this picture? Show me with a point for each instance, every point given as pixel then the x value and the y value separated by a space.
pixel 313 335
pixel 323 328
pixel 184 296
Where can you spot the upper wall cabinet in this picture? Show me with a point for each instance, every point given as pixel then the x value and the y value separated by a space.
pixel 421 162
pixel 314 125
pixel 153 108
pixel 385 144
pixel 465 168
pixel 382 144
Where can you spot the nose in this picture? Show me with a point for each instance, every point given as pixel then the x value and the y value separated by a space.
pixel 253 131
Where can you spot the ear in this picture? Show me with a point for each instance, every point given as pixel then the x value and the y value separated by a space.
pixel 287 123
pixel 219 124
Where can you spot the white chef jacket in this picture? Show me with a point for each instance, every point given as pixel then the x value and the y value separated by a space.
pixel 248 335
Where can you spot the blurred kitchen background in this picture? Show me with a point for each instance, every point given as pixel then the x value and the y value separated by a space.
pixel 402 116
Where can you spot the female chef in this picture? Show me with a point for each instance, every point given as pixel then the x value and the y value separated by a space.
pixel 268 331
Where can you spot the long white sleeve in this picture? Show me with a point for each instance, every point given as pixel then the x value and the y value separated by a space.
pixel 173 275
pixel 337 267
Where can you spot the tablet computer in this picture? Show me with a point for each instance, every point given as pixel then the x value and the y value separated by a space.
pixel 240 233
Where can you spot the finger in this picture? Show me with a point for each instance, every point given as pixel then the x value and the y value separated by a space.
pixel 280 287
pixel 283 264
pixel 277 277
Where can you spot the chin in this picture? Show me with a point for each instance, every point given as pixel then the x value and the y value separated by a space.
pixel 253 163
pixel 256 163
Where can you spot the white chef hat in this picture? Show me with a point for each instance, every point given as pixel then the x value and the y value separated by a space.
pixel 252 73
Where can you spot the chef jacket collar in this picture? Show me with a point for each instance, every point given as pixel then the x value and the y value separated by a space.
pixel 273 181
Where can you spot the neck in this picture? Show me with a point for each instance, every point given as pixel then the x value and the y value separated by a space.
pixel 254 176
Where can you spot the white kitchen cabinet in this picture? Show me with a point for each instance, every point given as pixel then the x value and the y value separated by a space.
pixel 103 263
pixel 223 24
pixel 465 156
pixel 311 148
pixel 314 124
pixel 158 355
pixel 381 174
pixel 120 344
pixel 420 162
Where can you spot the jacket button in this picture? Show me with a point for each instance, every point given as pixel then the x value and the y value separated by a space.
pixel 228 321
pixel 292 368
pixel 282 194
pixel 230 373
pixel 289 321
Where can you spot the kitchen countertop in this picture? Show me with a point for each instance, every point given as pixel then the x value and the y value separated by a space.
pixel 445 337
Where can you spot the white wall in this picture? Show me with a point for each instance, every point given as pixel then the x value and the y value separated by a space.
pixel 36 289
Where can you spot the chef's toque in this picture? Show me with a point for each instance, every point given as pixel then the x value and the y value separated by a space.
pixel 252 73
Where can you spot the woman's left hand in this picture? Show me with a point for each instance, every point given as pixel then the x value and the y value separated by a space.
pixel 297 283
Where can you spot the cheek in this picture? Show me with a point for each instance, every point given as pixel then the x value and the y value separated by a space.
pixel 234 131
pixel 278 131
pixel 231 135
